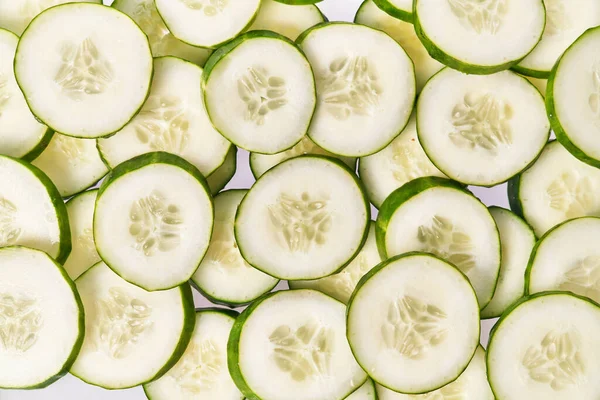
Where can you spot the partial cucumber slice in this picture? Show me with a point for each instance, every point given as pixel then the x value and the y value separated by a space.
pixel 153 220
pixel 201 373
pixel 261 163
pixel 541 84
pixel 341 285
pixel 366 87
pixel 173 119
pixel 546 347
pixel 37 347
pixel 291 345
pixel 132 336
pixel 84 85
pixel 517 239
pixel 479 37
pixel 404 33
pixel 162 42
pixel 400 9
pixel 72 164
pixel 426 327
pixel 207 24
pixel 481 130
pixel 254 86
pixel 223 275
pixel 365 392
pixel 304 219
pixel 441 217
pixel 556 188
pixel 287 20
pixel 222 175
pixel 400 162
pixel 32 213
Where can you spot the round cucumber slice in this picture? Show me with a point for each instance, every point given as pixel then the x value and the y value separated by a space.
pixel 426 329
pixel 223 275
pixel 400 9
pixel 481 130
pixel 207 24
pixel 441 217
pixel 202 370
pixel 173 120
pixel 132 336
pixel 32 213
pixel 287 20
pixel 254 86
pixel 479 37
pixel 153 220
pixel 365 392
pixel 304 219
pixel 37 348
pixel 84 85
pixel 545 347
pixel 365 85
pixel 291 345
pixel 222 175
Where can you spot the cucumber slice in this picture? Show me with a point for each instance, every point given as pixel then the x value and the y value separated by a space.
pixel 517 239
pixel 84 85
pixel 427 327
pixel 481 130
pixel 479 37
pixel 207 24
pixel 556 188
pixel 400 162
pixel 567 259
pixel 304 219
pixel 72 164
pixel 162 42
pixel 254 86
pixel 261 163
pixel 404 33
pixel 37 348
pixel 565 22
pixel 545 347
pixel 400 9
pixel 365 392
pixel 472 384
pixel 291 345
pixel 173 119
pixel 153 220
pixel 222 175
pixel 201 373
pixel 132 336
pixel 341 285
pixel 287 20
pixel 441 217
pixel 365 84
pixel 223 275
pixel 32 213
pixel 81 217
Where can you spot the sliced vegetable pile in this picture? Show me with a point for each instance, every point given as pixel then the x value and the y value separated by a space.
pixel 119 130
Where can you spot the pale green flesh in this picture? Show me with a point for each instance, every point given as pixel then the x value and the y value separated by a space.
pixel 287 20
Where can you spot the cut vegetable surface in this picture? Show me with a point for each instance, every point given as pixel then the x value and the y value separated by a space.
pixel 84 85
pixel 153 220
pixel 222 175
pixel 366 87
pixel 37 348
pixel 426 329
pixel 304 219
pixel 365 392
pixel 287 20
pixel 401 9
pixel 291 345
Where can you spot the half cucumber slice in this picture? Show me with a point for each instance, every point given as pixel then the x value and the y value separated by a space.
pixel 32 213
pixel 365 392
pixel 441 217
pixel 153 220
pixel 223 275
pixel 201 373
pixel 37 347
pixel 400 9
pixel 365 84
pixel 545 347
pixel 479 37
pixel 304 219
pixel 222 175
pixel 84 85
pixel 132 336
pixel 255 85
pixel 287 20
pixel 481 130
pixel 291 345
pixel 173 120
pixel 426 329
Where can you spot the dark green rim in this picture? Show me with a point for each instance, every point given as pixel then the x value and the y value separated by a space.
pixel 390 9
pixel 532 73
pixel 298 2
pixel 222 175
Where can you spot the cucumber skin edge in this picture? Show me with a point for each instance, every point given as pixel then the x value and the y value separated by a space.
pixel 388 8
pixel 532 73
pixel 298 2
pixel 513 189
pixel 39 147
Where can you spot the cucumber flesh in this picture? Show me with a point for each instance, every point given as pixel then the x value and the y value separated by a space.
pixel 400 9
pixel 222 175
pixel 365 392
pixel 287 20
